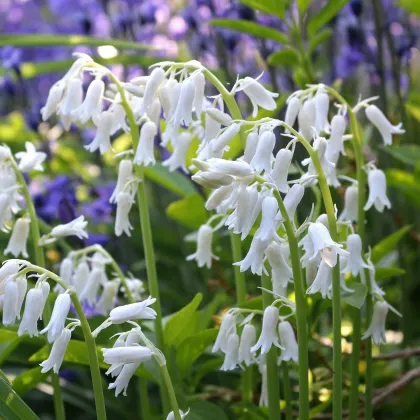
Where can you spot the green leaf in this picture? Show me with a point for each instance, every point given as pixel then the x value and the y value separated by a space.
pixel 211 308
pixel 46 40
pixel 7 335
pixel 357 297
pixel 409 154
pixel 12 406
pixel 404 183
pixel 172 181
pixel 414 110
pixel 192 348
pixel 203 410
pixel 382 273
pixel 328 12
pixel 388 244
pixel 189 211
pixel 182 324
pixel 303 5
pixel 254 303
pixel 284 57
pixel 272 7
pixel 28 380
pixel 251 28
pixel 318 39
pixel 412 6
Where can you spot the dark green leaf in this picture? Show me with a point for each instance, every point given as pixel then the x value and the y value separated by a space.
pixel 328 12
pixel 409 153
pixel 182 323
pixel 388 244
pixel 210 309
pixel 251 28
pixel 284 57
pixel 47 40
pixel 405 183
pixel 412 6
pixel 172 181
pixel 192 348
pixel 272 7
pixel 357 297
pixel 189 211
pixel 7 335
pixel 12 406
pixel 303 5
pixel 28 380
pixel 254 303
pixel 382 273
pixel 203 410
pixel 318 39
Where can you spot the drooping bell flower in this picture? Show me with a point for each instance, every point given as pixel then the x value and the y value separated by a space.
pixel 307 119
pixel 281 272
pixel 292 200
pixel 288 341
pixel 231 353
pixel 322 104
pixel 74 228
pixel 268 335
pixel 220 142
pixel 322 282
pixel 18 238
pixel 204 254
pixel 378 119
pixel 58 317
pixel 335 144
pixel 133 311
pixel 56 357
pixel 248 340
pixel 254 259
pixel 292 111
pixel 264 153
pixel 54 98
pixel 281 170
pixel 72 100
pixel 154 81
pixel 125 175
pixel 92 105
pixel 10 302
pixel 184 108
pixel 355 262
pixel 376 328
pixel 145 149
pixel 32 312
pixel 199 95
pixel 267 230
pixel 122 219
pixel 102 140
pixel 227 327
pixel 351 200
pixel 377 191
pixel 251 146
pixel 107 300
pixel 178 159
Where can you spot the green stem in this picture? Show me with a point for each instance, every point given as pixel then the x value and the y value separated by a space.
pixel 287 391
pixel 171 392
pixel 355 358
pixel 59 411
pixel 369 363
pixel 144 399
pixel 271 360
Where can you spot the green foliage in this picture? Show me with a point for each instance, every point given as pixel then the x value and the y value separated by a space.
pixel 328 12
pixel 272 7
pixel 318 39
pixel 411 6
pixel 28 380
pixel 382 273
pixel 388 244
pixel 189 211
pixel 203 410
pixel 284 57
pixel 406 183
pixel 407 153
pixel 303 5
pixel 357 297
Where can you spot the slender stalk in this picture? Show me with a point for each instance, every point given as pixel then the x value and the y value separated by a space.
pixel 355 358
pixel 144 399
pixel 171 392
pixel 271 360
pixel 287 391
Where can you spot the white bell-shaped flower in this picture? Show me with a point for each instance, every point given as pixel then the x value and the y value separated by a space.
pixel 123 378
pixel 204 254
pixel 244 206
pixel 145 149
pixel 227 327
pixel 199 95
pixel 212 128
pixel 281 170
pixel 6 200
pixel 81 274
pixel 10 302
pixel 154 82
pixel 376 328
pixel 264 385
pixel 378 119
pixel 118 119
pixel 122 219
pixel 8 269
pixel 72 100
pixel 54 98
pixel 258 94
pixel 58 317
pixel 127 354
pixel 248 340
pixel 355 262
pixel 377 191
pixel 184 108
pixel 92 105
pixel 32 312
pixel 236 168
pixel 264 153
pixel 114 370
pixel 56 357
pixel 167 98
pixel 132 311
pixel 171 415
pixel 322 104
pixel 292 111
pixel 292 200
pixel 22 285
pixel 178 159
pixel 322 282
pixel 267 230
pixel 31 159
pixel 18 239
pixel 45 287
pixel 102 140
pixel 281 272
pixel 218 196
pixel 125 175
pixel 307 119
pixel 336 142
pixel 254 212
pixel 220 116
pixel 254 260
pixel 268 335
pixel 231 353
pixel 212 179
pixel 66 270
pixel 288 341
pixel 311 269
pixel 221 141
pixel 107 300
pixel 351 202
pixel 251 146
pixel 74 228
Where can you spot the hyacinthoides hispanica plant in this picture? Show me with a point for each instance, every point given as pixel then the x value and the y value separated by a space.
pixel 316 256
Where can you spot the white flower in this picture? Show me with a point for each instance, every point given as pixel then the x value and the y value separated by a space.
pixel 10 302
pixel 322 282
pixel 231 353
pixel 145 149
pixel 127 354
pixel 221 141
pixel 33 310
pixel 183 111
pixel 31 159
pixel 167 98
pixel 281 272
pixel 171 415
pixel 264 385
pixel 58 351
pixel 234 168
pixel 268 335
pixel 199 96
pixel 292 111
pixel 73 98
pixel 8 269
pixel 114 370
pixel 54 97
pixel 135 287
pixel 218 196
pixel 281 170
pixel 227 327
pixel 125 175
pixel 5 210
pixel 76 227
pixel 204 254
pixel 351 200
pixel 288 341
pixel 253 212
pixel 264 153
pixel 267 230
pixel 376 328
pixel 178 159
pixel 336 142
pixel 92 105
pixel 238 220
pixel 22 285
pixel 212 179
pixel 219 116
pixel 45 287
pixel 212 128
pixel 374 287
pixel 5 153
pixel 109 293
pixel 81 275
pixel 292 200
pixel 18 239
pixel 377 191
pixel 322 104
pixel 378 119
pixel 307 118
pixel 66 270
pixel 355 261
pixel 251 146
pixel 132 311
pixel 154 81
pixel 123 378
pixel 122 220
pixel 255 257
pixel 92 283
pixel 58 317
pixel 258 94
pixel 248 339
pixel 102 140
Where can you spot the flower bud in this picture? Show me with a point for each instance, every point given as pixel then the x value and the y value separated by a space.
pixel 122 220
pixel 292 200
pixel 281 170
pixel 220 142
pixel 251 146
pixel 10 303
pixel 306 119
pixel 128 354
pixel 292 111
pixel 154 81
pixel 351 200
pixel 378 119
pixel 125 174
pixel 199 97
pixel 336 142
pixel 219 116
pixel 322 104
pixel 58 317
pixel 133 311
pixel 264 153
